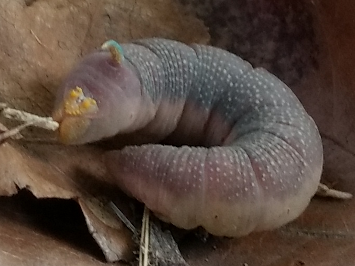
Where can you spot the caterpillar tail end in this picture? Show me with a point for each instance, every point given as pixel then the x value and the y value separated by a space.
pixel 73 116
pixel 115 50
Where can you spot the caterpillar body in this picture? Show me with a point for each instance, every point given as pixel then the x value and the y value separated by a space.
pixel 247 156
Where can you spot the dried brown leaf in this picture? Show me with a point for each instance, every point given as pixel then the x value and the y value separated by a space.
pixel 36 232
pixel 106 229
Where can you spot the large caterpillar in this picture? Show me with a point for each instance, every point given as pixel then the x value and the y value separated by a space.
pixel 255 155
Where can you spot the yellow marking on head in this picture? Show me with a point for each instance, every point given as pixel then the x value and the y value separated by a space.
pixel 72 129
pixel 75 93
pixel 77 103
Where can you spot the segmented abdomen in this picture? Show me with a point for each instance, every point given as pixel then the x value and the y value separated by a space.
pixel 257 155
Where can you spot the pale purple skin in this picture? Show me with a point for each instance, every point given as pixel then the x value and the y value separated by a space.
pixel 257 156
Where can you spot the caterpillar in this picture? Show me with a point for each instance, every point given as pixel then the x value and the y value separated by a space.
pixel 240 152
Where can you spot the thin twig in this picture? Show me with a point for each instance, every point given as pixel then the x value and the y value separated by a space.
pixel 37 39
pixel 3 128
pixel 123 218
pixel 325 191
pixel 13 133
pixel 144 243
pixel 30 119
pixel 146 238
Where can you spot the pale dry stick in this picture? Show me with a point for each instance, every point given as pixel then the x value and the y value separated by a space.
pixel 144 243
pixel 31 119
pixel 27 118
pixel 123 218
pixel 5 133
pixel 13 133
pixel 37 39
pixel 325 191
pixel 3 128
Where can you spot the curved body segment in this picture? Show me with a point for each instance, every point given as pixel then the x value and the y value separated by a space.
pixel 244 156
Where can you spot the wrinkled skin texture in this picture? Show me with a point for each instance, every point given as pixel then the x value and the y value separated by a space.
pixel 257 155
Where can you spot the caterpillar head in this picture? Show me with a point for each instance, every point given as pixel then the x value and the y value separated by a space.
pixel 99 98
